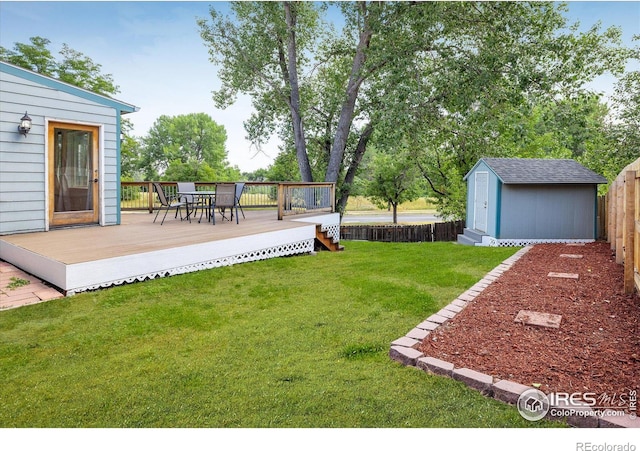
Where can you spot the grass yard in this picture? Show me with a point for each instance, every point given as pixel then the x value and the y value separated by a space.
pixel 361 203
pixel 296 342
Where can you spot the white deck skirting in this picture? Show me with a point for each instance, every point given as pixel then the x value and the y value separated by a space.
pixel 104 272
pixel 494 242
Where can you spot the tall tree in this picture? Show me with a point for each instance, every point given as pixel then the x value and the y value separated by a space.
pixel 394 179
pixel 622 131
pixel 187 142
pixel 438 72
pixel 260 52
pixel 74 68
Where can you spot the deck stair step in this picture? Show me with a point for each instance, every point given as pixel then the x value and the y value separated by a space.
pixel 325 241
pixel 470 237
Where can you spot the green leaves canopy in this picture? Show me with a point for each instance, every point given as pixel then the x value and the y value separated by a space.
pixel 74 68
pixel 185 144
pixel 454 80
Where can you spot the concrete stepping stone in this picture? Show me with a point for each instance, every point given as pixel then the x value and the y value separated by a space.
pixel 571 255
pixel 538 319
pixel 563 275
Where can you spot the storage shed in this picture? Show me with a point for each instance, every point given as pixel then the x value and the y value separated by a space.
pixel 62 168
pixel 519 201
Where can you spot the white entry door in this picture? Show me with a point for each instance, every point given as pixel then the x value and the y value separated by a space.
pixel 481 201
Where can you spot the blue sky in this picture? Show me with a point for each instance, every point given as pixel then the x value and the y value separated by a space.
pixel 157 58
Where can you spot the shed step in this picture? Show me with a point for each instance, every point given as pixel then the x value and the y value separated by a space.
pixel 463 239
pixel 474 235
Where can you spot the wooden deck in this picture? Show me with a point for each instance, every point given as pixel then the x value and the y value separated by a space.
pixel 85 258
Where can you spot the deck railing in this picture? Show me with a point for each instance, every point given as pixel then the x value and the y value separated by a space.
pixel 299 198
pixel 289 198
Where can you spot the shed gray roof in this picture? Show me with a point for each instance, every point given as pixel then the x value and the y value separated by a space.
pixel 527 171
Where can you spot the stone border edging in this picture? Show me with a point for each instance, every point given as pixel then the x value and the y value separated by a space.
pixel 404 350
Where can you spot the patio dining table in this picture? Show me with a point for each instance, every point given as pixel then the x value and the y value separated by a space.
pixel 207 196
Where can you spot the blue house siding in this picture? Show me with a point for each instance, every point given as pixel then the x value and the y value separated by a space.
pixel 547 211
pixel 23 160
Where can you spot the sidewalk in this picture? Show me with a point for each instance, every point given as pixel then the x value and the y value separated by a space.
pixel 14 293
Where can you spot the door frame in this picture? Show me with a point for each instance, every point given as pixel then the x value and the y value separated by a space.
pixel 486 201
pixel 86 217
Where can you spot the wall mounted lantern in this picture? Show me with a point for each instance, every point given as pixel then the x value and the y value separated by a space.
pixel 25 124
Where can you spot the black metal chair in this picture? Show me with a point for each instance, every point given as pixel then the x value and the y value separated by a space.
pixel 225 198
pixel 167 203
pixel 192 201
pixel 239 191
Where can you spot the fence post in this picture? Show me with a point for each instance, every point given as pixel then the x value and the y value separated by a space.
pixel 611 215
pixel 280 201
pixel 619 222
pixel 150 196
pixel 629 229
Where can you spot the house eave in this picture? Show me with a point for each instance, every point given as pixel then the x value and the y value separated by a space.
pixel 44 80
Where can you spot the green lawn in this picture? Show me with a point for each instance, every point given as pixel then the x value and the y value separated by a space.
pixel 288 342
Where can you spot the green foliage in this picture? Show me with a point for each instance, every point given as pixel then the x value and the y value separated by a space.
pixel 74 68
pixel 457 80
pixel 130 153
pixel 185 148
pixel 284 168
pixel 17 282
pixel 623 132
pixel 394 179
pixel 250 346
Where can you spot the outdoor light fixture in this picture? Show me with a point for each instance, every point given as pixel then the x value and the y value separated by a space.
pixel 25 124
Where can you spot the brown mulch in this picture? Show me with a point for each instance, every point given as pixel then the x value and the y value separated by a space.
pixel 595 350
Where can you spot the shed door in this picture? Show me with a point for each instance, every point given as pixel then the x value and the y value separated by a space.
pixel 480 202
pixel 73 174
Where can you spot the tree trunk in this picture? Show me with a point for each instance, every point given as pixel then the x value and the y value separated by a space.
pixel 294 104
pixel 348 107
pixel 395 212
pixel 353 167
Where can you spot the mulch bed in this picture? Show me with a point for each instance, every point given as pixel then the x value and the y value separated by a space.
pixel 596 349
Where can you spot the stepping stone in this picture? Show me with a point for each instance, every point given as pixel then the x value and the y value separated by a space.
pixel 538 319
pixel 571 255
pixel 563 275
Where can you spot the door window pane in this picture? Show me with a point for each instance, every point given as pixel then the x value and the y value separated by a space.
pixel 73 170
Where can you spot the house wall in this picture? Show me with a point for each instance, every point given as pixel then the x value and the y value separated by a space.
pixel 548 212
pixel 23 186
pixel 493 198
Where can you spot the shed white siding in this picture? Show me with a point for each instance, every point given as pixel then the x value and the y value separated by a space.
pixel 23 160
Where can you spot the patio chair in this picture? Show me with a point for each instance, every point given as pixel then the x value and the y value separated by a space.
pixel 239 191
pixel 167 203
pixel 192 202
pixel 225 198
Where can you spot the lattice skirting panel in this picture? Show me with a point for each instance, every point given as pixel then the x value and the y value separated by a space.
pixel 333 230
pixel 283 250
pixel 494 242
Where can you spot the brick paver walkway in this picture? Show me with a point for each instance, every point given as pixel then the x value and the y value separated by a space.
pixel 12 295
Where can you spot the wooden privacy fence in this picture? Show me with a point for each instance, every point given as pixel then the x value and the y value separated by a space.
pixel 623 223
pixel 440 231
